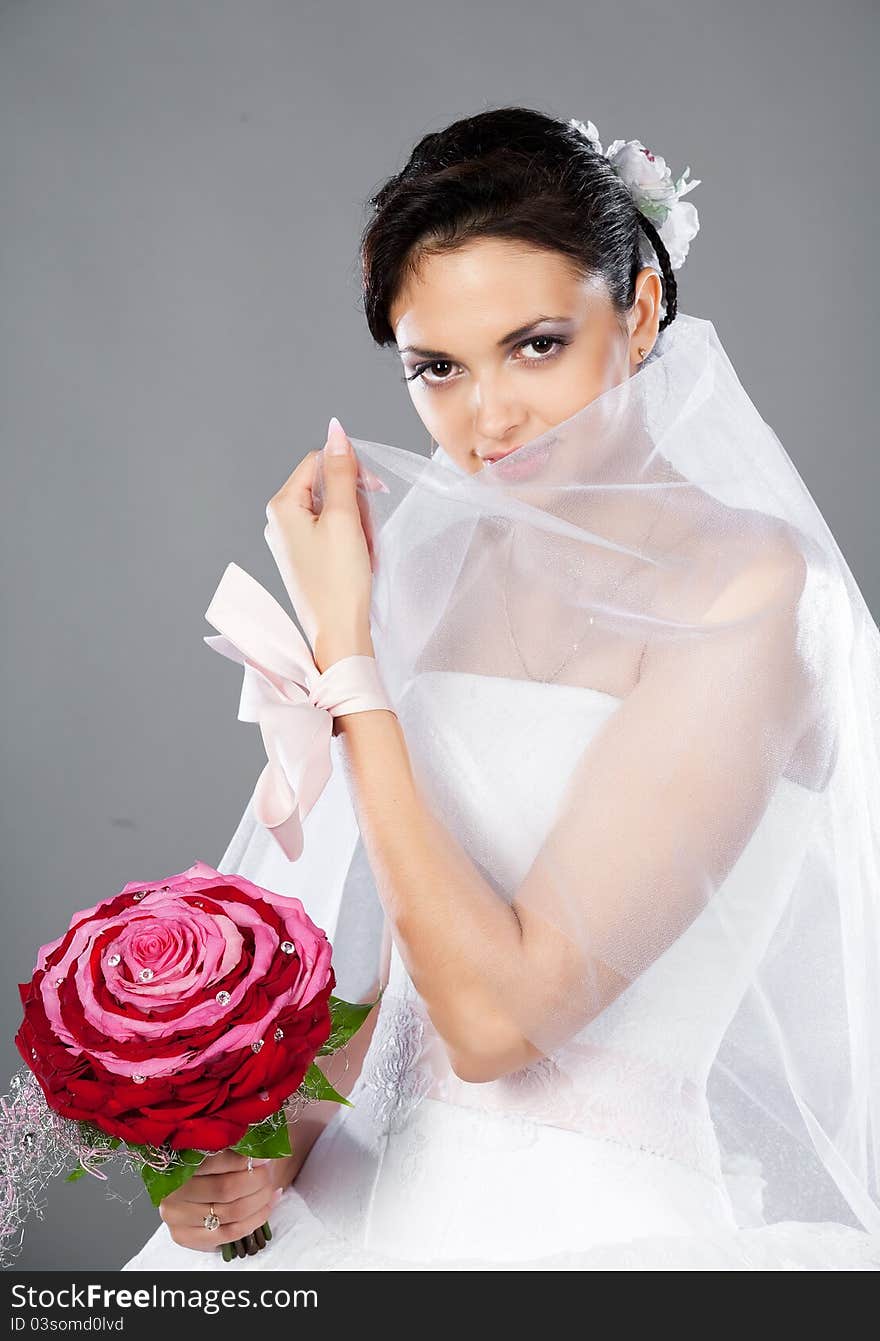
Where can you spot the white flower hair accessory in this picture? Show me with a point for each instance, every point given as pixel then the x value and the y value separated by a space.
pixel 658 197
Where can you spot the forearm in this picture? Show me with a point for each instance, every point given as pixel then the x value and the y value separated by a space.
pixel 342 1068
pixel 443 913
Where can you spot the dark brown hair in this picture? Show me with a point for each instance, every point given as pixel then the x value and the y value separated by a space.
pixel 509 172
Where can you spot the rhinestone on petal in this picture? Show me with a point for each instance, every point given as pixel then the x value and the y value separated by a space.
pixel 138 1080
pixel 139 894
pixel 256 1045
pixel 223 998
pixel 264 1095
pixel 58 982
pixel 33 1052
pixel 279 1034
pixel 288 947
pixel 145 974
pixel 114 960
pixel 197 903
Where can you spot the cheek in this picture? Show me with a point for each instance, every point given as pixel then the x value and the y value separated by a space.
pixel 578 382
pixel 445 419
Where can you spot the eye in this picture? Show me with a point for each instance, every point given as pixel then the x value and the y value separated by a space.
pixel 545 340
pixel 556 342
pixel 422 368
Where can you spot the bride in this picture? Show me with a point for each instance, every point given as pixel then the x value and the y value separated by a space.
pixel 609 849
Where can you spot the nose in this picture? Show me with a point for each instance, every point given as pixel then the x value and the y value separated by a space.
pixel 497 422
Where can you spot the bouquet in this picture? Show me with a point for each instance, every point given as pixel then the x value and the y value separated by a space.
pixel 170 1021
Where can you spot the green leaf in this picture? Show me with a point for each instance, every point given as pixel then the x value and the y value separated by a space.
pixel 77 1173
pixel 160 1184
pixel 347 1017
pixel 269 1139
pixel 316 1086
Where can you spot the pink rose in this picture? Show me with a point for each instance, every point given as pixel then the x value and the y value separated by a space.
pixel 179 1011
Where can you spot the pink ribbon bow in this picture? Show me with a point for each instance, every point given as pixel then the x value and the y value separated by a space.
pixel 291 699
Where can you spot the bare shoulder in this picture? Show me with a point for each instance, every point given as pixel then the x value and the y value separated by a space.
pixel 732 560
pixel 729 564
pixel 772 569
pixel 767 575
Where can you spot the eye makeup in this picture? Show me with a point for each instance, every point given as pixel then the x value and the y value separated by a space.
pixel 558 342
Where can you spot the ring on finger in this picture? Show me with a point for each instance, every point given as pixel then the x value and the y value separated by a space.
pixel 211 1221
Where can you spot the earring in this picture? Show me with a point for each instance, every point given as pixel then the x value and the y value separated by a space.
pixel 642 352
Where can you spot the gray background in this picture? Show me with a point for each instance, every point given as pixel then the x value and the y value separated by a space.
pixel 183 186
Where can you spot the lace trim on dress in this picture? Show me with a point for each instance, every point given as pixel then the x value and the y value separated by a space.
pixel 597 1092
pixel 392 1079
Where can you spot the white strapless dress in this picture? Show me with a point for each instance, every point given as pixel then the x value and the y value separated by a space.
pixel 430 1172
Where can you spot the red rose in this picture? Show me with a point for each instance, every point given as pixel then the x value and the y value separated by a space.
pixel 179 1012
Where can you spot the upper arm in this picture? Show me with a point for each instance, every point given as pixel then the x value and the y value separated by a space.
pixel 662 803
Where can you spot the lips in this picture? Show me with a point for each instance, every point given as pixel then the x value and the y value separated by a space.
pixel 517 465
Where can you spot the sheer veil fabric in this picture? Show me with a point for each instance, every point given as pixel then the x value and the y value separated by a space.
pixel 699 871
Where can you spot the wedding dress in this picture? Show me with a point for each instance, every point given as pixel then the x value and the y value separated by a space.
pixel 430 1172
pixel 709 839
pixel 637 685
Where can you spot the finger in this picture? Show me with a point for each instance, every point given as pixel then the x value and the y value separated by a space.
pixel 297 488
pixel 237 1229
pixel 371 481
pixel 340 469
pixel 228 1212
pixel 367 524
pixel 191 1214
pixel 224 1186
pixel 223 1161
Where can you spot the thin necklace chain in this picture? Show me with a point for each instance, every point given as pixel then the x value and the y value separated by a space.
pixel 576 645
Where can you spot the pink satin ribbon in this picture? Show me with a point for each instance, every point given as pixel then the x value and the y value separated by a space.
pixel 291 699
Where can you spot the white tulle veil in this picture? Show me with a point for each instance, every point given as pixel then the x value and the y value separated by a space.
pixel 709 879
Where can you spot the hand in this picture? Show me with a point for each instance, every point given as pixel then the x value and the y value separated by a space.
pixel 243 1200
pixel 326 559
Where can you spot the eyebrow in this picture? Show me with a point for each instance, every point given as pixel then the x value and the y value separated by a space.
pixel 505 339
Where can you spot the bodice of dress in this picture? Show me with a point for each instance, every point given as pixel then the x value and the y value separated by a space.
pixel 636 1074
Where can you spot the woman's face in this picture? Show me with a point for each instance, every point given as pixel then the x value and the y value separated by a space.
pixel 500 341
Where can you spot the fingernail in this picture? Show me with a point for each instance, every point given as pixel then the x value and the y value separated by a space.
pixel 375 486
pixel 277 1195
pixel 337 442
pixel 373 482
